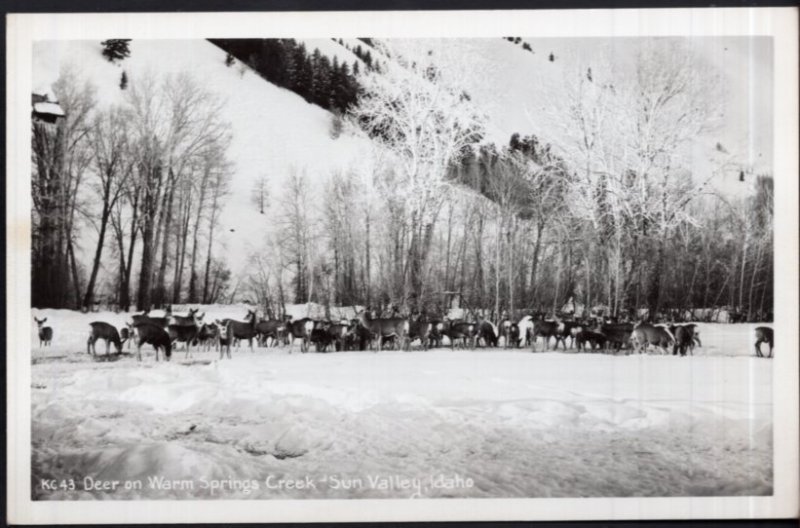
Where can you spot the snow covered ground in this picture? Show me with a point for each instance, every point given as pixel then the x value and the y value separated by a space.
pixel 441 423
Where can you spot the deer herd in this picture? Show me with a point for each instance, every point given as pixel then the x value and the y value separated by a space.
pixel 365 331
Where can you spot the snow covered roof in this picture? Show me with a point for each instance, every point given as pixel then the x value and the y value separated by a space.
pixel 48 108
pixel 45 91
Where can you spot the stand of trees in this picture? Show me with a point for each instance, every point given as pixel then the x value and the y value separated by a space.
pixel 149 175
pixel 288 64
pixel 607 213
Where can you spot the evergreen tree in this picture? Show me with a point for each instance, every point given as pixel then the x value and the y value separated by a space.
pixel 116 49
pixel 552 57
pixel 123 81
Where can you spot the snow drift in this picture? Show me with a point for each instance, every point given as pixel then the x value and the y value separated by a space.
pixel 484 423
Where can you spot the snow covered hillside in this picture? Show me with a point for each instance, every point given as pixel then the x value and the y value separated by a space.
pixel 441 423
pixel 274 130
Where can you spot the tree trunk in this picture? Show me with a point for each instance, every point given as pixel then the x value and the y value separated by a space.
pixel 89 297
pixel 75 280
pixel 498 241
pixel 654 295
pixel 163 234
pixel 535 264
pixel 368 262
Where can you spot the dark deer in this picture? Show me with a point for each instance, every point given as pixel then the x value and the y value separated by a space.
pixel 487 332
pixel 338 333
pixel 152 334
pixel 105 331
pixel 686 336
pixel 126 334
pixel 546 330
pixel 457 331
pixel 300 329
pixel 272 328
pixel 183 334
pixel 421 330
pixel 45 332
pixel 397 327
pixel 618 335
pixel 595 340
pixel 208 336
pixel 565 331
pixel 764 334
pixel 244 329
pixel 510 333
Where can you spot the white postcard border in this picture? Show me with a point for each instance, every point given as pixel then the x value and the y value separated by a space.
pixel 780 23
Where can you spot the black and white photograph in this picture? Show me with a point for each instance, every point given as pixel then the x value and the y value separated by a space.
pixel 281 267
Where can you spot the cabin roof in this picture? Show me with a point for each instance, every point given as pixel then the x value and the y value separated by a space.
pixel 48 108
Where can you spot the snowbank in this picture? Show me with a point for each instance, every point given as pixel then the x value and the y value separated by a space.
pixel 485 423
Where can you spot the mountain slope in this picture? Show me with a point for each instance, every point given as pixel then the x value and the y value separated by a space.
pixel 274 130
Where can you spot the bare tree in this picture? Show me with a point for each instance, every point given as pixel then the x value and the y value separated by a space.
pixel 416 111
pixel 60 156
pixel 109 141
pixel 175 120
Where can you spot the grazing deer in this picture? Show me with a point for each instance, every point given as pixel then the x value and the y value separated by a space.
pixel 45 332
pixel 764 334
pixel 152 334
pixel 487 331
pixel 126 334
pixel 244 329
pixel 105 331
pixel 388 327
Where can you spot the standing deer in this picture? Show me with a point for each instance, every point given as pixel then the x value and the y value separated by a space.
pixel 764 334
pixel 645 334
pixel 396 327
pixel 45 332
pixel 191 319
pixel 105 331
pixel 244 329
pixel 145 318
pixel 300 329
pixel 225 338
